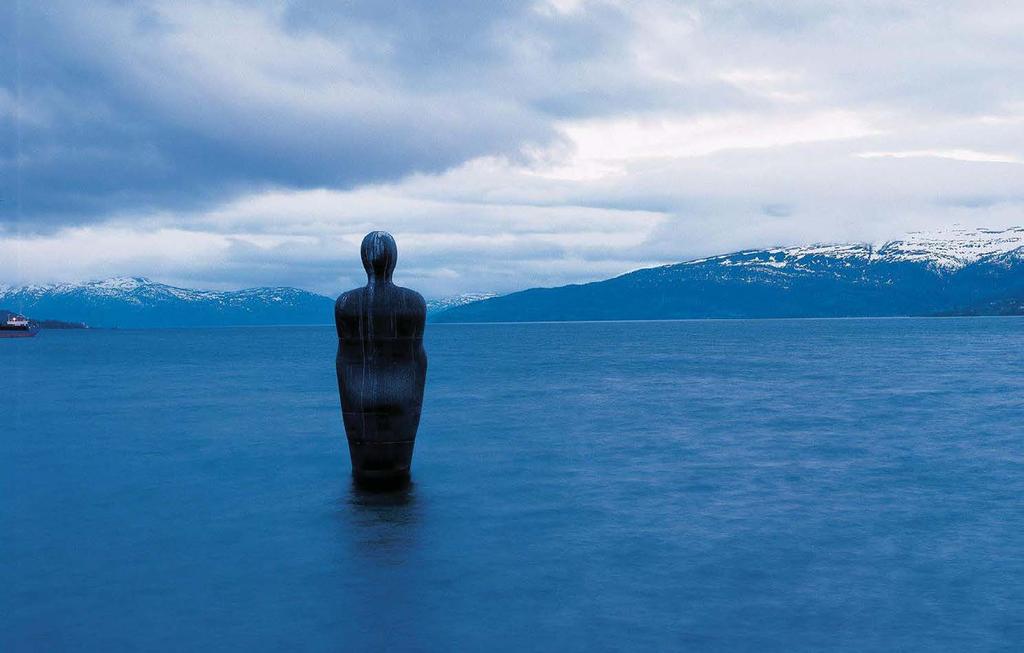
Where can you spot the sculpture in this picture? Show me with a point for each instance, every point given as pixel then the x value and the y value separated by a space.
pixel 381 366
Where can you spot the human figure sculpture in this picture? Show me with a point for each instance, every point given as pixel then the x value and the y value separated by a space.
pixel 382 366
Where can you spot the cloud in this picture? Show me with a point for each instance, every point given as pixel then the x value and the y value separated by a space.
pixel 955 155
pixel 227 144
pixel 311 239
pixel 603 147
pixel 180 104
pixel 92 252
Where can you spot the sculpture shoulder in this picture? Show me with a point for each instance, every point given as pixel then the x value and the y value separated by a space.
pixel 349 302
pixel 412 300
pixel 357 301
pixel 380 312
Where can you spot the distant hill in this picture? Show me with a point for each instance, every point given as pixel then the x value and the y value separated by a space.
pixel 923 274
pixel 1004 306
pixel 137 302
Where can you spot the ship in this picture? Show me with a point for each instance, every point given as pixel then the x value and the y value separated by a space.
pixel 18 326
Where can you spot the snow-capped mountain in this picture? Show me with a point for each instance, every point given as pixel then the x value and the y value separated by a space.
pixel 950 272
pixel 134 302
pixel 944 251
pixel 443 304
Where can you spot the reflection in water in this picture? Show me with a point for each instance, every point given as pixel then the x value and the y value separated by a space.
pixel 384 522
pixel 391 497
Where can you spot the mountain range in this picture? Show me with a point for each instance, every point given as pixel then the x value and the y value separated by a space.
pixel 138 302
pixel 954 272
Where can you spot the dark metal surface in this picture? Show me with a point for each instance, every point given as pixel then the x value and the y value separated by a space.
pixel 381 366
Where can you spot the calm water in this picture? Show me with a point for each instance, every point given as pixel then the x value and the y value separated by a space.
pixel 739 485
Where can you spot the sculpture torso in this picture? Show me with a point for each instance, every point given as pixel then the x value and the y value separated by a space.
pixel 381 361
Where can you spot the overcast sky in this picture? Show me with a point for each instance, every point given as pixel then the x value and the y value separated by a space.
pixel 506 145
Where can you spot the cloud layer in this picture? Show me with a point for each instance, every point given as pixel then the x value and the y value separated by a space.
pixel 505 144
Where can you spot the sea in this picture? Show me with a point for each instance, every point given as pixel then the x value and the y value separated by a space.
pixel 735 485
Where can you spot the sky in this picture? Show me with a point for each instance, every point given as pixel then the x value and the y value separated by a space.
pixel 506 145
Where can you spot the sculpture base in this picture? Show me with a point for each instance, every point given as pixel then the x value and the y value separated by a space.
pixel 384 464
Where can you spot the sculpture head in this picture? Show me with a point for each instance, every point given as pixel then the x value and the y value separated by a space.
pixel 380 253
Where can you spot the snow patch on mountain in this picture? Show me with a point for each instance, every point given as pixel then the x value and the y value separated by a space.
pixel 954 248
pixel 141 289
pixel 444 303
